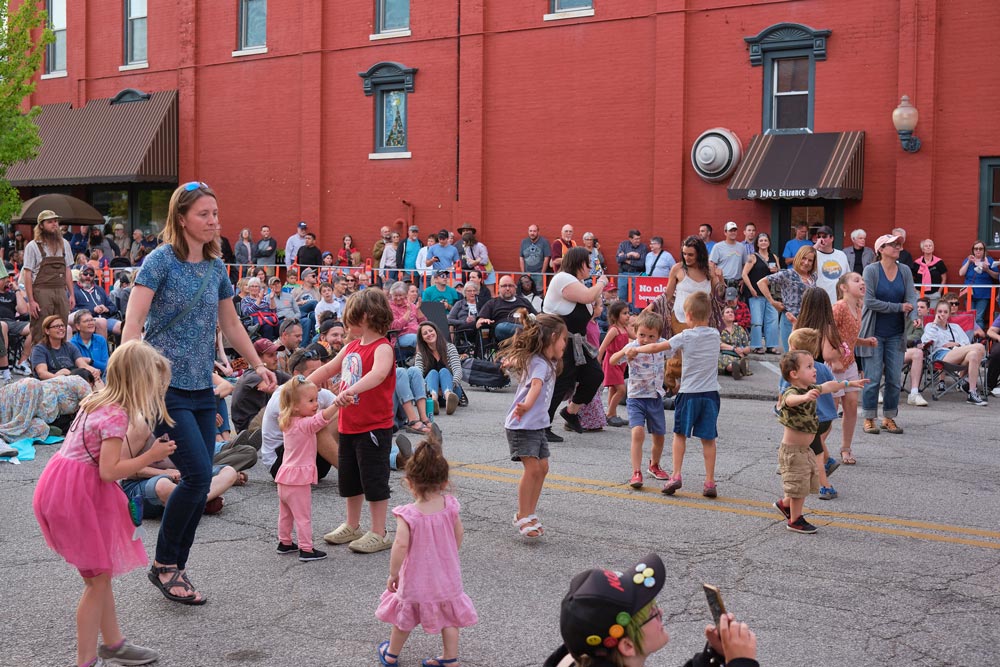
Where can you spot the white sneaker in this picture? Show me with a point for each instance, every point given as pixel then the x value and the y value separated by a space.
pixel 5 375
pixel 880 398
pixel 916 399
pixel 996 391
pixel 23 368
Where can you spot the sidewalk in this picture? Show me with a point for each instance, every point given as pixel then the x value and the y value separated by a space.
pixel 761 386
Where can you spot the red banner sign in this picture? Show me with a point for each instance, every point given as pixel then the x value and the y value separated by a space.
pixel 644 290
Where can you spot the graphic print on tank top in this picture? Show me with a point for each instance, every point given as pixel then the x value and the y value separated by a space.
pixel 351 371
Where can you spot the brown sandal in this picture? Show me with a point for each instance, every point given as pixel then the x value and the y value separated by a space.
pixel 847 458
pixel 177 579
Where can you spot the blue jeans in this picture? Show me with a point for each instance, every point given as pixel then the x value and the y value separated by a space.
pixel 440 381
pixel 887 361
pixel 623 282
pixel 784 330
pixel 222 409
pixel 194 433
pixel 982 307
pixel 409 385
pixel 406 344
pixel 763 320
pixel 504 330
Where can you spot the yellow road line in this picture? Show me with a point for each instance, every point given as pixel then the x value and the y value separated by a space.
pixel 730 506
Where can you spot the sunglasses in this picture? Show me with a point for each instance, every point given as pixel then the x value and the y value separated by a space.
pixel 350 280
pixel 194 185
pixel 979 247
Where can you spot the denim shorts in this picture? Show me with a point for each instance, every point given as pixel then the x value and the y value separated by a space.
pixel 646 412
pixel 939 355
pixel 530 443
pixel 145 489
pixel 696 415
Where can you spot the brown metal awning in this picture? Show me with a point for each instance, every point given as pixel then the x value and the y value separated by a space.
pixel 828 165
pixel 105 142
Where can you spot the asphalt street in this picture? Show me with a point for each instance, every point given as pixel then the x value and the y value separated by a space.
pixel 905 569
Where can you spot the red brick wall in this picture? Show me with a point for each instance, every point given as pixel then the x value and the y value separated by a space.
pixel 523 121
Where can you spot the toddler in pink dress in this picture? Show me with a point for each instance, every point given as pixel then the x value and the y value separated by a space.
pixel 425 577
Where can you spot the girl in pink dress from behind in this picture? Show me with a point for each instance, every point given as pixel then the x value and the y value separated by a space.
pixel 425 577
pixel 84 514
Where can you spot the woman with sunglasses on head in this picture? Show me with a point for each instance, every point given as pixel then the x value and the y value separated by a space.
pixel 889 299
pixel 979 269
pixel 181 292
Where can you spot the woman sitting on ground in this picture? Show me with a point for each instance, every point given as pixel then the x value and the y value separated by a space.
pixel 734 348
pixel 56 356
pixel 438 360
pixel 90 343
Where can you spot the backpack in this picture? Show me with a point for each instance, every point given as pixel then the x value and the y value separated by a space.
pixel 483 373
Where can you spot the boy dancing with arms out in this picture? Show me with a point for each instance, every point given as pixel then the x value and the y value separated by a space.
pixel 797 413
pixel 696 408
pixel 645 395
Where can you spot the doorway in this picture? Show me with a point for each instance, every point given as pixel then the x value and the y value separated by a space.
pixel 785 214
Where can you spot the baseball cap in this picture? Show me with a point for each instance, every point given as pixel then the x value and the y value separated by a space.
pixel 265 346
pixel 732 294
pixel 307 272
pixel 441 273
pixel 329 323
pixel 3 270
pixel 601 603
pixel 885 240
pixel 303 224
pixel 87 271
pixel 48 215
pixel 731 225
pixel 312 351
pixel 414 228
pixel 825 229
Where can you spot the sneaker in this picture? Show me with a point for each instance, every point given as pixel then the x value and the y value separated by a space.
pixel 370 543
pixel 214 506
pixel 827 493
pixel 916 399
pixel 976 399
pixel 463 400
pixel 941 386
pixel 995 391
pixel 617 421
pixel 343 534
pixel 737 371
pixel 552 437
pixel 800 525
pixel 889 424
pixel 127 654
pixel 672 486
pixel 23 368
pixel 779 505
pixel 710 490
pixel 831 465
pixel 405 451
pixel 668 402
pixel 965 386
pixel 636 481
pixel 871 427
pixel 287 548
pixel 5 375
pixel 451 403
pixel 315 554
pixel 656 471
pixel 572 421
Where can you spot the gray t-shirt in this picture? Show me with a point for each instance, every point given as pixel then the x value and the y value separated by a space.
pixel 729 258
pixel 534 253
pixel 270 433
pixel 700 371
pixel 537 417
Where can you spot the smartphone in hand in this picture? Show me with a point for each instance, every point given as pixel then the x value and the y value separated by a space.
pixel 715 604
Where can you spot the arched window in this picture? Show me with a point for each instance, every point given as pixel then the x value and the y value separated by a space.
pixel 390 84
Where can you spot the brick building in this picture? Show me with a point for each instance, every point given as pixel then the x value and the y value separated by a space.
pixel 504 114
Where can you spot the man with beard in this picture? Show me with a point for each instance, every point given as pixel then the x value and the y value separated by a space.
pixel 48 280
pixel 121 240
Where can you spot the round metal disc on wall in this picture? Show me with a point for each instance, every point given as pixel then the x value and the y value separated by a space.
pixel 715 154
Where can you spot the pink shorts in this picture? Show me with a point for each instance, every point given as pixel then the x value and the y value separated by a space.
pixel 850 374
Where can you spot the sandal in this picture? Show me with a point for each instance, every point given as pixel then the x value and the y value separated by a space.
pixel 241 479
pixel 847 458
pixel 538 523
pixel 438 662
pixel 177 579
pixel 526 526
pixel 383 653
pixel 417 427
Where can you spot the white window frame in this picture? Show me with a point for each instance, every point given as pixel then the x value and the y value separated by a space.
pixel 51 50
pixel 557 12
pixel 242 47
pixel 130 20
pixel 381 32
pixel 775 95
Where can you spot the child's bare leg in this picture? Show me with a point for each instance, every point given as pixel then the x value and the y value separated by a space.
pixel 821 469
pixel 378 511
pixel 529 489
pixel 638 436
pixel 449 636
pixel 397 638
pixel 849 421
pixel 614 399
pixel 678 446
pixel 657 452
pixel 708 449
pixel 354 504
pixel 89 617
pixel 795 506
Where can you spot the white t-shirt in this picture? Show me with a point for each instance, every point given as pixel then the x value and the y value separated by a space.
pixel 33 256
pixel 829 267
pixel 555 303
pixel 324 307
pixel 700 371
pixel 270 433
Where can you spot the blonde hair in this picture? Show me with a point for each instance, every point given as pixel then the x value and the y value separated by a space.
pixel 534 339
pixel 173 234
pixel 137 378
pixel 801 255
pixel 291 394
pixel 698 306
pixel 805 339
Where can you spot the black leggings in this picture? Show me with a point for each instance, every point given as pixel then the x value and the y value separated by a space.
pixel 586 378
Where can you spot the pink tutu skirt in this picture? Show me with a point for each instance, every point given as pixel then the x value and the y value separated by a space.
pixel 85 520
pixel 458 612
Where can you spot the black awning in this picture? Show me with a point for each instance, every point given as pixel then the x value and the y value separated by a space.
pixel 828 165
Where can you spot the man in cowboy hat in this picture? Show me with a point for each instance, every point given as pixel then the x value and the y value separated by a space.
pixel 48 280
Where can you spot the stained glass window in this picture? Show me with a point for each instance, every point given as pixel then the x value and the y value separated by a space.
pixel 393 135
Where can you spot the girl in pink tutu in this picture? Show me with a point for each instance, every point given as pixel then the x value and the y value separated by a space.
pixel 425 578
pixel 84 514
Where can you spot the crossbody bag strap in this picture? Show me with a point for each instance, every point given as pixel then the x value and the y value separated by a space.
pixel 188 308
